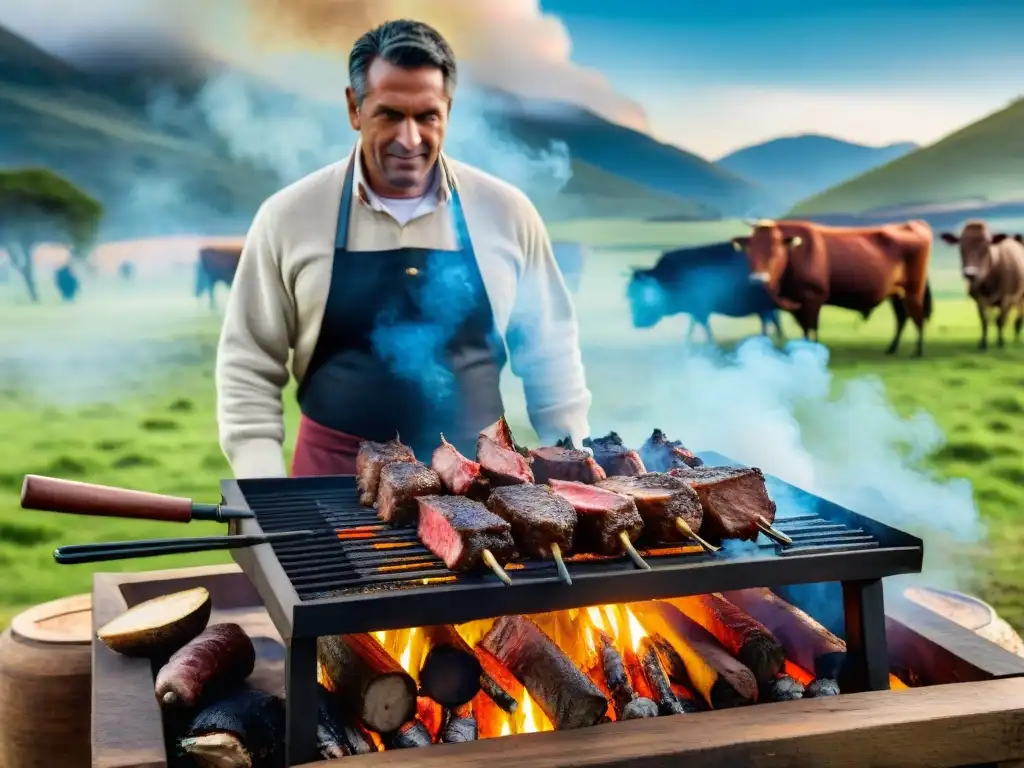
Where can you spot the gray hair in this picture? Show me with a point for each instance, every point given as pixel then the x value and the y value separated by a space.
pixel 403 43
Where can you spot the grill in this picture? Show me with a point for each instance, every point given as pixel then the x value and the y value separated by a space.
pixel 358 575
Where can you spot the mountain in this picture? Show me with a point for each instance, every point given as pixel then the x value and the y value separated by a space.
pixel 975 167
pixel 796 167
pixel 630 155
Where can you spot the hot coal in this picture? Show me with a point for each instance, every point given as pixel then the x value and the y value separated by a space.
pixel 401 482
pixel 660 454
pixel 539 518
pixel 601 517
pixel 822 687
pixel 564 463
pixel 783 688
pixel 732 498
pixel 614 457
pixel 371 459
pixel 458 530
pixel 660 499
pixel 459 475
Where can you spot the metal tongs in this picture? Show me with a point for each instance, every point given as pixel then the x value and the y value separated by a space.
pixel 75 554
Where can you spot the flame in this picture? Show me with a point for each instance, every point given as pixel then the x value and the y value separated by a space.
pixel 636 631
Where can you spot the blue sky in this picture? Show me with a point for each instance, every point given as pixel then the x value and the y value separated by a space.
pixel 871 71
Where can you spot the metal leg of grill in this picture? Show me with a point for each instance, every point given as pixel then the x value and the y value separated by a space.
pixel 301 702
pixel 867 660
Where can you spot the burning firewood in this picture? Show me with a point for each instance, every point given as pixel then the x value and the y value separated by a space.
pixel 335 737
pixel 806 642
pixel 717 675
pixel 822 687
pixel 661 689
pixel 561 690
pixel 679 678
pixel 451 672
pixel 628 705
pixel 782 688
pixel 431 714
pixel 496 682
pixel 460 726
pixel 369 680
pixel 747 639
pixel 410 735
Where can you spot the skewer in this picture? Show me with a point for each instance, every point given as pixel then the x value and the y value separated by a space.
pixel 556 553
pixel 766 527
pixel 491 563
pixel 627 545
pixel 686 530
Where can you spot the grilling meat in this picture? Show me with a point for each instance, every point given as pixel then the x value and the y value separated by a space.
pixel 565 463
pixel 612 455
pixel 539 518
pixel 732 499
pixel 371 459
pixel 400 483
pixel 502 466
pixel 460 475
pixel 660 500
pixel 458 530
pixel 601 516
pixel 661 454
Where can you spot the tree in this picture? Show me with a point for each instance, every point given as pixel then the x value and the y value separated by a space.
pixel 37 206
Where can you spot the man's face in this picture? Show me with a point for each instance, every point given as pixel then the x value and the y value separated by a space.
pixel 402 122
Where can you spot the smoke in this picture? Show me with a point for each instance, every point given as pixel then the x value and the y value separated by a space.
pixel 782 411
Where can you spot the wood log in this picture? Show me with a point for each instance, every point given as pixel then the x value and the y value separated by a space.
pixel 561 690
pixel 497 682
pixel 716 674
pixel 674 667
pixel 661 688
pixel 451 671
pixel 368 680
pixel 460 726
pixel 336 737
pixel 627 703
pixel 745 637
pixel 804 640
pixel 410 735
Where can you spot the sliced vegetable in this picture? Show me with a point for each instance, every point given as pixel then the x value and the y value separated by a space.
pixel 160 626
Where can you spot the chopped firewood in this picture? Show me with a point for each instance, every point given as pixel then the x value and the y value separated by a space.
pixel 782 688
pixel 628 705
pixel 410 735
pixel 806 642
pixel 460 726
pixel 335 737
pixel 561 690
pixel 661 689
pixel 716 674
pixel 822 687
pixel 431 714
pixel 451 672
pixel 368 679
pixel 745 638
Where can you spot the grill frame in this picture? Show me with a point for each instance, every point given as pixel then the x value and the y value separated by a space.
pixel 301 621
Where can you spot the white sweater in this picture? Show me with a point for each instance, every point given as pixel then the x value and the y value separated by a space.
pixel 279 292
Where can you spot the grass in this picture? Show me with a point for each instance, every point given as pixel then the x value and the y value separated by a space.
pixel 122 393
pixel 983 161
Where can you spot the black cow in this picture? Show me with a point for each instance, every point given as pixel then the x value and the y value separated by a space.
pixel 700 282
pixel 215 265
pixel 66 282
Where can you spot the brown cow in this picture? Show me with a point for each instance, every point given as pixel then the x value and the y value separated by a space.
pixel 216 265
pixel 805 266
pixel 993 265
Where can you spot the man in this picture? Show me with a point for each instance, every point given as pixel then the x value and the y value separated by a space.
pixel 399 280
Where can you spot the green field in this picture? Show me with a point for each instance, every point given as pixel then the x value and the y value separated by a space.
pixel 121 392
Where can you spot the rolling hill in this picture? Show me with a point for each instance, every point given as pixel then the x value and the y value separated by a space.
pixel 796 167
pixel 978 166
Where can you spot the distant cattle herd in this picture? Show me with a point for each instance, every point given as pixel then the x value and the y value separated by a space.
pixel 800 267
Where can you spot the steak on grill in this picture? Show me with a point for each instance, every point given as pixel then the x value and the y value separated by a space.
pixel 601 516
pixel 458 530
pixel 659 499
pixel 460 475
pixel 370 460
pixel 614 457
pixel 539 518
pixel 400 483
pixel 732 498
pixel 501 434
pixel 502 466
pixel 661 454
pixel 564 463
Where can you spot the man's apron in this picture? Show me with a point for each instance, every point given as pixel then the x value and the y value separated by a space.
pixel 407 347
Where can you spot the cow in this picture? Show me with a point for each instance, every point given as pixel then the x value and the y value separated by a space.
pixel 806 266
pixel 993 265
pixel 699 282
pixel 215 265
pixel 66 282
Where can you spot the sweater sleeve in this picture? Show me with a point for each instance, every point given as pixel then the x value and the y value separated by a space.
pixel 252 358
pixel 543 340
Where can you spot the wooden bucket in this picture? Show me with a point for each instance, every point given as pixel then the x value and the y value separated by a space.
pixel 969 612
pixel 45 686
